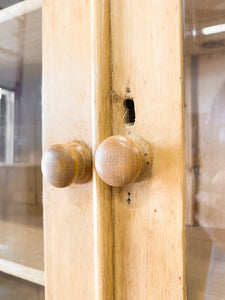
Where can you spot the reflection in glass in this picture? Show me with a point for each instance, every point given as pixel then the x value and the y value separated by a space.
pixel 204 82
pixel 21 213
pixel 6 126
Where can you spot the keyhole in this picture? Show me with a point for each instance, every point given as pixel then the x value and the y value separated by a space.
pixel 129 112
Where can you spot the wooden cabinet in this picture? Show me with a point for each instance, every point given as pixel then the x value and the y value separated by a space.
pixel 96 56
pixel 147 72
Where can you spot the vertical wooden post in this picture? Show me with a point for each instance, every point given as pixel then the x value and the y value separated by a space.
pixel 101 117
pixel 68 212
pixel 149 228
pixel 77 105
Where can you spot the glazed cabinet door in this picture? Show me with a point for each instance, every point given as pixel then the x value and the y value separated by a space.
pixel 113 67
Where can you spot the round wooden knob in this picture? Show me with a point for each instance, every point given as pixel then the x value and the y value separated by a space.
pixel 65 164
pixel 121 160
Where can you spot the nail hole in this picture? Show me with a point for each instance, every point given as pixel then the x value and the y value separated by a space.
pixel 147 163
pixel 129 112
pixel 128 199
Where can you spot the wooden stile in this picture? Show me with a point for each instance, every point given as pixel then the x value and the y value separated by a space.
pixel 76 105
pixel 147 67
pixel 68 212
pixel 101 129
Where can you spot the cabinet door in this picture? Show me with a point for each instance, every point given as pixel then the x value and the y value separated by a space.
pixel 103 242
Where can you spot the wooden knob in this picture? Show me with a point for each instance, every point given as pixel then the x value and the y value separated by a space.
pixel 121 160
pixel 65 164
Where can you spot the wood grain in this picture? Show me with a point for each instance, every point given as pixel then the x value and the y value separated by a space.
pixel 101 129
pixel 63 164
pixel 120 160
pixel 149 229
pixel 82 217
pixel 68 213
pixel 59 165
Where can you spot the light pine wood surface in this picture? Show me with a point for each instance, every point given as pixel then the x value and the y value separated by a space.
pixel 101 129
pixel 82 218
pixel 63 165
pixel 121 160
pixel 68 216
pixel 149 229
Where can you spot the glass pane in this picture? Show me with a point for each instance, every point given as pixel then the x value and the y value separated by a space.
pixel 204 82
pixel 14 288
pixel 6 3
pixel 21 213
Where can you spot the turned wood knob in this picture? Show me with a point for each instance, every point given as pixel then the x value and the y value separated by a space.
pixel 63 164
pixel 121 160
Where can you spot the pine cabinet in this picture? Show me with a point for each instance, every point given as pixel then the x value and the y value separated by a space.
pixel 123 101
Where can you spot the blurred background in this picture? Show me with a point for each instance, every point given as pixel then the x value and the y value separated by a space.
pixel 21 215
pixel 204 86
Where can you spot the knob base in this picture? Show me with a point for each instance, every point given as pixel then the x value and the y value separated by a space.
pixel 146 156
pixel 84 160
